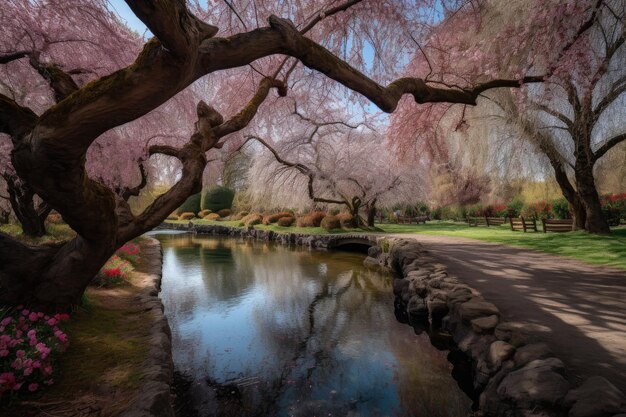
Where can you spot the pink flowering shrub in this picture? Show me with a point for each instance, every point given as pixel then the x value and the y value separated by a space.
pixel 115 271
pixel 30 342
pixel 129 252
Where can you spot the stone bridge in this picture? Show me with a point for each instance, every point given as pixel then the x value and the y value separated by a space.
pixel 351 242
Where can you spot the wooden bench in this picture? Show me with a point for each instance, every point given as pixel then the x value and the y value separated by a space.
pixel 486 221
pixel 559 226
pixel 521 223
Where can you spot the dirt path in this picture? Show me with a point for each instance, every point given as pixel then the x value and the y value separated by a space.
pixel 578 309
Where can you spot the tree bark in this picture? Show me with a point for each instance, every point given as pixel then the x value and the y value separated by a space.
pixel 371 213
pixel 21 197
pixel 49 150
pixel 595 222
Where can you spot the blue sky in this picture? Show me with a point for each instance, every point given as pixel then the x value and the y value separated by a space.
pixel 121 8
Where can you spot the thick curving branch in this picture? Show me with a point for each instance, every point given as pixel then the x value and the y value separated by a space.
pixel 15 120
pixel 172 23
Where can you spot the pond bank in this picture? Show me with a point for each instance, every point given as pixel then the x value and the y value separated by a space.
pixel 514 376
pixel 118 362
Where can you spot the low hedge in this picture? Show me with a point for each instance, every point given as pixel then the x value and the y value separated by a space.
pixel 286 221
pixel 273 218
pixel 330 223
pixel 224 212
pixel 187 216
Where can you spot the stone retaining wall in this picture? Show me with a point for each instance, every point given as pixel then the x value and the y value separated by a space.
pixel 154 397
pixel 300 239
pixel 515 378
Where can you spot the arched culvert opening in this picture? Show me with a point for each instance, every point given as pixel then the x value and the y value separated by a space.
pixel 352 245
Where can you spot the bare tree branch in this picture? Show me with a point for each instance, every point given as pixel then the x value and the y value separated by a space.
pixel 618 88
pixel 554 113
pixel 599 153
pixel 243 118
pixel 326 13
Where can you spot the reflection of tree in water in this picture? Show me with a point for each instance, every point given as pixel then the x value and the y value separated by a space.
pixel 316 352
pixel 324 323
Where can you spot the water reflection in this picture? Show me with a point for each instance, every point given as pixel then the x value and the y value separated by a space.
pixel 297 332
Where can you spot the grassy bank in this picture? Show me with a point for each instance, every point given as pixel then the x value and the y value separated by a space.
pixel 101 372
pixel 599 250
pixel 56 232
pixel 594 249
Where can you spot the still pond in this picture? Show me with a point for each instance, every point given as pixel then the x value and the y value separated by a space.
pixel 260 329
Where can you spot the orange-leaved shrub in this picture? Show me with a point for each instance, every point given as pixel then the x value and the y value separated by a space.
pixel 186 216
pixel 251 220
pixel 347 220
pixel 203 213
pixel 286 221
pixel 312 219
pixel 225 212
pixel 273 218
pixel 330 223
pixel 239 215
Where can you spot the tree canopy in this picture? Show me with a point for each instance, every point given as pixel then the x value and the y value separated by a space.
pixel 89 109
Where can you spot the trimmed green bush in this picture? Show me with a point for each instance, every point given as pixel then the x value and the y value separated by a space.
pixel 330 222
pixel 218 198
pixel 286 221
pixel 191 205
pixel 560 209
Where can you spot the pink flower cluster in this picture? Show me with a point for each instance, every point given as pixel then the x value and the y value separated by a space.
pixel 118 268
pixel 114 272
pixel 29 343
pixel 129 252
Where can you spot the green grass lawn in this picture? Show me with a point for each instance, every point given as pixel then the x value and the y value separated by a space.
pixel 601 250
pixel 56 233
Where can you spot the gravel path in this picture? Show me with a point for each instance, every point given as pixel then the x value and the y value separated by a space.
pixel 578 309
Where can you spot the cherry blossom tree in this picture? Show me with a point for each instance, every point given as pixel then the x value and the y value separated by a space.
pixel 331 170
pixel 577 117
pixel 582 82
pixel 50 145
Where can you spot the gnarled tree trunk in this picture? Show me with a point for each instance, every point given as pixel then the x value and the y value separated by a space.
pixel 595 222
pixel 371 213
pixel 22 199
pixel 49 151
